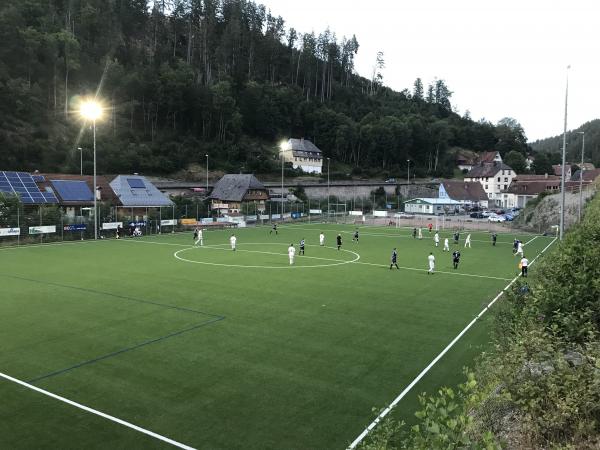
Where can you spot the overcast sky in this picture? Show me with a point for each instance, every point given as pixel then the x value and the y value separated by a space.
pixel 500 58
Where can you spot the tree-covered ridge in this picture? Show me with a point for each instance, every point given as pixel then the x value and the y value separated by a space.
pixel 574 142
pixel 182 78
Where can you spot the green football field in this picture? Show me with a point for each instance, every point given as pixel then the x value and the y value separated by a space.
pixel 217 349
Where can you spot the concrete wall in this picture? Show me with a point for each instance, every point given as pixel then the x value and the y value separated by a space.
pixel 361 191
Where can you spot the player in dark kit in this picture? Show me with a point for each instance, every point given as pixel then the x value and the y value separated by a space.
pixel 515 245
pixel 301 246
pixel 394 259
pixel 456 258
pixel 456 237
pixel 273 229
pixel 339 241
pixel 494 238
pixel 414 233
pixel 355 237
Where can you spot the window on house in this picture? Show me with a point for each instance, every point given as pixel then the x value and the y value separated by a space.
pixel 503 172
pixel 505 186
pixel 498 186
pixel 498 179
pixel 486 186
pixel 505 179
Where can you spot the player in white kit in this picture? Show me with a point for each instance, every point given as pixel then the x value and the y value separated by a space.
pixel 321 239
pixel 199 237
pixel 468 241
pixel 436 238
pixel 291 253
pixel 431 260
pixel 232 241
pixel 519 249
pixel 446 245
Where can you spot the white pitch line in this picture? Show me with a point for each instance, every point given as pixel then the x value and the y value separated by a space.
pixel 530 240
pixel 406 390
pixel 49 244
pixel 98 413
pixel 403 236
pixel 216 247
pixel 438 271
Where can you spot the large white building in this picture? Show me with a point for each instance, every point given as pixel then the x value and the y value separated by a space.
pixel 303 154
pixel 494 176
pixel 435 206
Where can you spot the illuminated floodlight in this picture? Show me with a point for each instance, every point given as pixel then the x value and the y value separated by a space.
pixel 90 110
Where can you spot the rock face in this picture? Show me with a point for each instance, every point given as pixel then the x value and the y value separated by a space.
pixel 546 213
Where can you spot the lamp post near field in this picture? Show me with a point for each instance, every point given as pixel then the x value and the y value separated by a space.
pixel 581 175
pixel 562 177
pixel 282 148
pixel 91 110
pixel 80 160
pixel 408 171
pixel 328 195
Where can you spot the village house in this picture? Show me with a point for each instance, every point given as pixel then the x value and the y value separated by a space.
pixel 436 206
pixel 526 187
pixel 303 154
pixel 466 193
pixel 494 176
pixel 557 168
pixel 232 191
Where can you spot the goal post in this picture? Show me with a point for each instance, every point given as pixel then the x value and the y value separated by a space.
pixel 337 210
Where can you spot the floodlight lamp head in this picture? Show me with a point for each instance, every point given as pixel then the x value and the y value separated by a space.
pixel 90 110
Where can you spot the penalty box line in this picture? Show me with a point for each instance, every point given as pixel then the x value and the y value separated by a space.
pixel 97 413
pixel 437 271
pixel 408 388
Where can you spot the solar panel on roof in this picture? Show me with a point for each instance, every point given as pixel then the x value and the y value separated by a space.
pixel 136 183
pixel 22 184
pixel 38 178
pixel 73 190
pixel 50 197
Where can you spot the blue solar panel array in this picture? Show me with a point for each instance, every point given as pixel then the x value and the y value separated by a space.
pixel 22 184
pixel 136 183
pixel 73 191
pixel 38 178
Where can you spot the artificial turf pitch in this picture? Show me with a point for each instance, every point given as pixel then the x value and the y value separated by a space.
pixel 224 350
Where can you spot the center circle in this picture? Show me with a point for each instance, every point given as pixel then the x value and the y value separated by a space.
pixel 225 247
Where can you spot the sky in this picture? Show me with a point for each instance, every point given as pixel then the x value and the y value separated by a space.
pixel 503 58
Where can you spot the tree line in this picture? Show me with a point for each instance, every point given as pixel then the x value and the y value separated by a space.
pixel 553 145
pixel 184 78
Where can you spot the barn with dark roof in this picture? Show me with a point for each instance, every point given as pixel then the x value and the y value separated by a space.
pixel 232 191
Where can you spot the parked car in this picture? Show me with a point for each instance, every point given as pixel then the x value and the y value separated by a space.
pixel 496 218
pixel 486 213
pixel 475 208
pixel 509 217
pixel 477 215
pixel 390 180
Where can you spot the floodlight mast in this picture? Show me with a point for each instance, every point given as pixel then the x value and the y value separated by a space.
pixel 91 110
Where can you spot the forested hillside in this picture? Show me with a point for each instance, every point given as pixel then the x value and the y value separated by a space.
pixel 185 78
pixel 574 141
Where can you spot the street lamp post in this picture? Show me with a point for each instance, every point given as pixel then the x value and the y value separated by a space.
pixel 328 195
pixel 581 176
pixel 408 172
pixel 92 110
pixel 80 160
pixel 562 178
pixel 282 148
